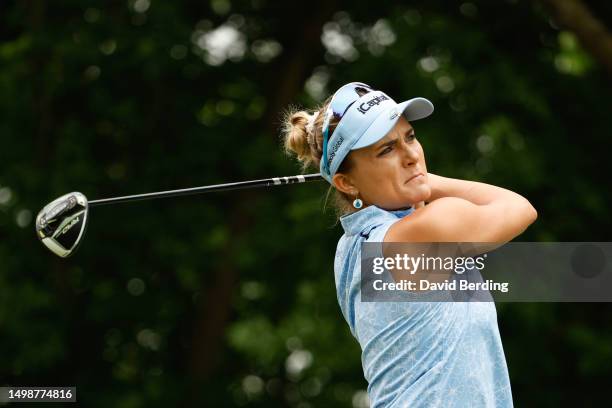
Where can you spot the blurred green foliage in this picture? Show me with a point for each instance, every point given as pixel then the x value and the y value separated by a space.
pixel 229 299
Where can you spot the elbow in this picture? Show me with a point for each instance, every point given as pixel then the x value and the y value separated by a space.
pixel 530 213
pixel 526 215
pixel 534 215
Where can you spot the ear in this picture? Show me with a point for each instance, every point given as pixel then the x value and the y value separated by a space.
pixel 345 184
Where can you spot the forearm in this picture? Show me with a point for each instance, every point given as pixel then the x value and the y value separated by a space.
pixel 508 212
pixel 472 191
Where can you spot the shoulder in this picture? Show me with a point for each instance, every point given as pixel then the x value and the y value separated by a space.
pixel 363 222
pixel 380 231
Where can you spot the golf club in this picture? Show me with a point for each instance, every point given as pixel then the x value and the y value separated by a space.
pixel 60 225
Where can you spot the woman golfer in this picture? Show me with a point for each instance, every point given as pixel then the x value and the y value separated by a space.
pixel 414 354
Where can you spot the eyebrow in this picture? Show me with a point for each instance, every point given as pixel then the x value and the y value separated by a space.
pixel 390 142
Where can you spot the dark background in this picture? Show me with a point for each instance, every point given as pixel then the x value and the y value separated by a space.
pixel 228 299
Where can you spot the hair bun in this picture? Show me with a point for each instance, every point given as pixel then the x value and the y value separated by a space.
pixel 300 137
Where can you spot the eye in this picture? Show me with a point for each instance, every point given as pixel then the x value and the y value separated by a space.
pixel 385 150
pixel 410 137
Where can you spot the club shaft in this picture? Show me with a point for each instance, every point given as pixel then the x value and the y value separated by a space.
pixel 274 181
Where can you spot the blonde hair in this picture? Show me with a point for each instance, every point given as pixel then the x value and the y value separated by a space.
pixel 308 147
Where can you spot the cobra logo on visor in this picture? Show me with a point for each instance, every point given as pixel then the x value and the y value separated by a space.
pixel 393 114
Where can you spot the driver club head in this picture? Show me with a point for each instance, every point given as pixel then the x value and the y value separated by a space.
pixel 60 225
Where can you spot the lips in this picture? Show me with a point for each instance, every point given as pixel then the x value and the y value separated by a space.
pixel 418 175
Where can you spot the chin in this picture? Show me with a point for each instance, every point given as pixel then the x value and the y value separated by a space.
pixel 421 194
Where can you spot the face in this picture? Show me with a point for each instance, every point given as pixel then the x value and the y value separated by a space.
pixel 391 173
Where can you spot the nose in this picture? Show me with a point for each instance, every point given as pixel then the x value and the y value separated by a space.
pixel 410 154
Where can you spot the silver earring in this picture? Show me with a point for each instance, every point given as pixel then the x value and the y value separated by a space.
pixel 357 203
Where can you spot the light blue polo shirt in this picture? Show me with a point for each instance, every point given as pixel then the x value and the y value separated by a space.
pixel 418 354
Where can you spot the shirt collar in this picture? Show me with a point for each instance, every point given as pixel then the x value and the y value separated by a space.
pixel 369 217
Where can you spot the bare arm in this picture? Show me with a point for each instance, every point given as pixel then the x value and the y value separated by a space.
pixel 472 191
pixel 465 211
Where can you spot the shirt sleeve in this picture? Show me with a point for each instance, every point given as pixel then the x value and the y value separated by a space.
pixel 377 234
pixel 375 239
